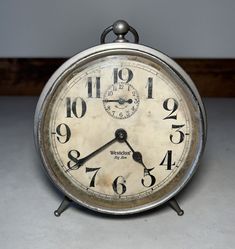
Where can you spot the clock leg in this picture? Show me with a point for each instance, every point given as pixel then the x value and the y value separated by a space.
pixel 174 205
pixel 63 206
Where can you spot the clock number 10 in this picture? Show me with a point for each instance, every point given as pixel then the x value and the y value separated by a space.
pixel 71 107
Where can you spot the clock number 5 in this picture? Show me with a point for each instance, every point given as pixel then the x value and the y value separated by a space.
pixel 119 186
pixel 148 180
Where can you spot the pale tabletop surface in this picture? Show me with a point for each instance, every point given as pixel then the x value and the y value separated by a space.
pixel 28 199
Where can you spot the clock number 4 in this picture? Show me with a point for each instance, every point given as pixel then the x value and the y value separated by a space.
pixel 167 160
pixel 124 74
pixel 71 107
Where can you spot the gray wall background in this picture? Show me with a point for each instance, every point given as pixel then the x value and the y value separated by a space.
pixel 55 28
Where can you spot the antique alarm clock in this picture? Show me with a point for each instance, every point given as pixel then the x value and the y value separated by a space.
pixel 120 127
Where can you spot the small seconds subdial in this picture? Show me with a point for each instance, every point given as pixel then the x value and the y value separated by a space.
pixel 121 100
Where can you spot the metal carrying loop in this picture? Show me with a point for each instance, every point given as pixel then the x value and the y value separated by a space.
pixel 120 28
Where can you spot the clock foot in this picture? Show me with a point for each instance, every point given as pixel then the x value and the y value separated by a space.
pixel 63 206
pixel 174 205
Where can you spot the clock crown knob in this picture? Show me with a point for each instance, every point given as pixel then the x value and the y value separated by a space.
pixel 120 28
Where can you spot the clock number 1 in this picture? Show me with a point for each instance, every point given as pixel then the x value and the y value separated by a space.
pixel 150 88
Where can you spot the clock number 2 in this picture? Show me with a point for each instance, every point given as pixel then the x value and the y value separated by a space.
pixel 172 105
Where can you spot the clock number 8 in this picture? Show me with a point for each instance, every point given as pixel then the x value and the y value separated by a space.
pixel 119 187
pixel 73 155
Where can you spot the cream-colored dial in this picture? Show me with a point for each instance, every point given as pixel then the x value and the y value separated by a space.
pixel 128 94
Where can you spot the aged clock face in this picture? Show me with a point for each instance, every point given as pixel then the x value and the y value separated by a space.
pixel 119 132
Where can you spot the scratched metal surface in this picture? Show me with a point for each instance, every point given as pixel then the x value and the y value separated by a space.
pixel 28 199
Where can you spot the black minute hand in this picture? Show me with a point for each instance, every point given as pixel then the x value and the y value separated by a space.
pixel 119 136
pixel 81 161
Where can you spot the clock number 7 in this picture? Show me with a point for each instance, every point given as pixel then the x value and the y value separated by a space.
pixel 92 183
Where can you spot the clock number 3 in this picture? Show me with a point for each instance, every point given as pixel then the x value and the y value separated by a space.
pixel 180 136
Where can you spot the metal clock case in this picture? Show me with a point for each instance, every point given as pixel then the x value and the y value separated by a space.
pixel 120 127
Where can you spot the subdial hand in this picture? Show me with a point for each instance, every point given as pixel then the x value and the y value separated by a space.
pixel 120 101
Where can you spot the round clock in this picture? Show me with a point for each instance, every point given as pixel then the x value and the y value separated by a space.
pixel 120 127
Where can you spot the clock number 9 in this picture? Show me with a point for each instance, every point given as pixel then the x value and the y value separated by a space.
pixel 169 106
pixel 63 132
pixel 124 74
pixel 119 186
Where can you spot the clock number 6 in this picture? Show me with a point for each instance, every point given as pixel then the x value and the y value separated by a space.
pixel 119 186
